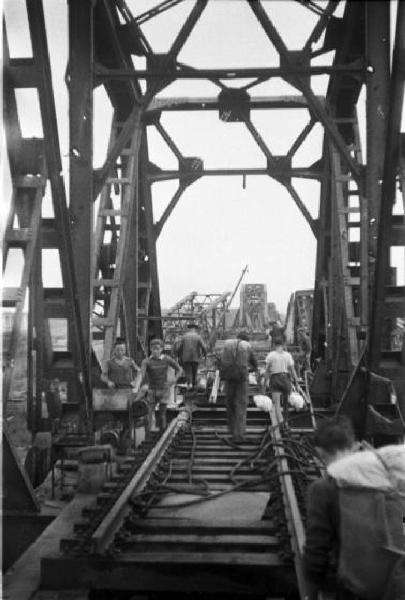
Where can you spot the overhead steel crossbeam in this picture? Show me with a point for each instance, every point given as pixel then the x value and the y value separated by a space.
pixel 186 103
pixel 264 73
pixel 299 173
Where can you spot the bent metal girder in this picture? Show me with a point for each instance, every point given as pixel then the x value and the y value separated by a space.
pixel 103 39
pixel 205 310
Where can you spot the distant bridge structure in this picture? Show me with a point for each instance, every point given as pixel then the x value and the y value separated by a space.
pixel 109 272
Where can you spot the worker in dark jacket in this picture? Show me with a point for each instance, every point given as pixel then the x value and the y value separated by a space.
pixel 191 350
pixel 237 359
pixel 346 543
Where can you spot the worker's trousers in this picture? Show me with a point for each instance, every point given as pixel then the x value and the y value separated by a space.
pixel 190 372
pixel 237 399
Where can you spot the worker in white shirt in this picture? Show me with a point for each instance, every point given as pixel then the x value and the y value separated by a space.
pixel 280 373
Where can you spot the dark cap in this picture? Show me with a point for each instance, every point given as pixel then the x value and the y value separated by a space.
pixel 119 340
pixel 192 326
pixel 243 335
pixel 157 342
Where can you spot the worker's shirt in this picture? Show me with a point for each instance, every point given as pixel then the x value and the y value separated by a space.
pixel 305 343
pixel 279 362
pixel 156 370
pixel 245 357
pixel 191 347
pixel 122 373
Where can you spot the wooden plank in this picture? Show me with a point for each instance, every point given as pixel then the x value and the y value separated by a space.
pixel 23 579
pixel 180 537
pixel 196 572
pixel 175 525
pixel 214 468
pixel 215 388
pixel 212 456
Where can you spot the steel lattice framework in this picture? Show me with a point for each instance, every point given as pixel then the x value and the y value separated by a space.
pixel 110 275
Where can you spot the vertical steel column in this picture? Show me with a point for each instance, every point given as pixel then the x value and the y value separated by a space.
pixel 378 80
pixel 155 327
pixel 37 358
pixel 131 272
pixel 391 165
pixel 320 321
pixel 80 82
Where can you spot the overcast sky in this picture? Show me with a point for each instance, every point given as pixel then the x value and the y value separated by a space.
pixel 218 227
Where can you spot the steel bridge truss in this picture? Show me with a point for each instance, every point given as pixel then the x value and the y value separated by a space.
pixel 207 311
pixel 110 274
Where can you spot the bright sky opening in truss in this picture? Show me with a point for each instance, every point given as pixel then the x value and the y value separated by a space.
pixel 220 224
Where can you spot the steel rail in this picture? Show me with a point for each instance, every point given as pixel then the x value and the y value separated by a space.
pixel 292 511
pixel 104 534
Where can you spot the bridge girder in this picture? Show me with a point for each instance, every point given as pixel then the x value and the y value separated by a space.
pixel 117 281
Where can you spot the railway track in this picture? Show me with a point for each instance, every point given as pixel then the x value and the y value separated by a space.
pixel 191 512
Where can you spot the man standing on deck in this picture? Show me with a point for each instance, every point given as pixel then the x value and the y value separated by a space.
pixel 120 371
pixel 154 372
pixel 190 351
pixel 304 342
pixel 236 359
pixel 279 372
